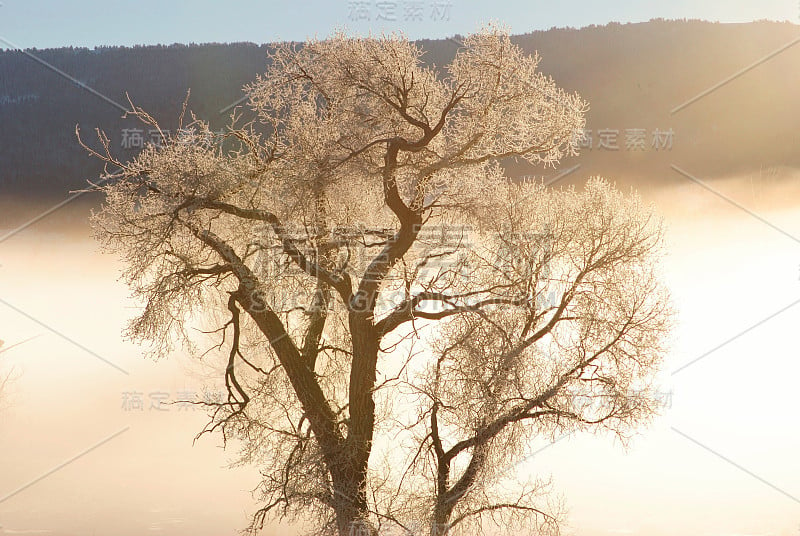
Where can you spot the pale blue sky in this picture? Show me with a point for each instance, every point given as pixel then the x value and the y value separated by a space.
pixel 51 23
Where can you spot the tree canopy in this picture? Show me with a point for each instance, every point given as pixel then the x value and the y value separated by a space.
pixel 399 318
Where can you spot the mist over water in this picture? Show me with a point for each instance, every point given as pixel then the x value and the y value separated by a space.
pixel 64 399
pixel 726 269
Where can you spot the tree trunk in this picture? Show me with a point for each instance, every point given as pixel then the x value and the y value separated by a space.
pixel 441 520
pixel 352 517
pixel 361 425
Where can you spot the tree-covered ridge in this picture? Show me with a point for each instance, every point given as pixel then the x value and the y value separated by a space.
pixel 633 74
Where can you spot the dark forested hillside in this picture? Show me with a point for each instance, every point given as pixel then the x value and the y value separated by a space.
pixel 633 76
pixel 39 108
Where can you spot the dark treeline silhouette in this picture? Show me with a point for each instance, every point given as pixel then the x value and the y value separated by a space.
pixel 633 76
pixel 39 108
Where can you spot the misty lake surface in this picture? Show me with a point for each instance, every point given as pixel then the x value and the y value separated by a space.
pixel 79 393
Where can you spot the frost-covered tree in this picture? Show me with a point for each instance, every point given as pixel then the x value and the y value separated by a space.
pixel 399 319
